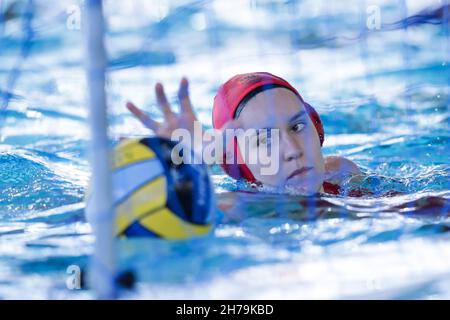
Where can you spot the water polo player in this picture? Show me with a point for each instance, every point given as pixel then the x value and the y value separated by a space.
pixel 264 102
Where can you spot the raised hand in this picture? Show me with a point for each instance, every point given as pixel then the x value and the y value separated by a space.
pixel 186 119
pixel 172 121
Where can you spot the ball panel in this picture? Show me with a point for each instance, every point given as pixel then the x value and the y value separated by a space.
pixel 137 230
pixel 169 226
pixel 179 186
pixel 145 199
pixel 132 177
pixel 202 194
pixel 131 151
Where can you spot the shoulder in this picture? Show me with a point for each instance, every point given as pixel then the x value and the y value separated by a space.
pixel 337 168
pixel 340 163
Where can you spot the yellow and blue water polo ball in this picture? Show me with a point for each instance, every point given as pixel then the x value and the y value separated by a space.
pixel 153 197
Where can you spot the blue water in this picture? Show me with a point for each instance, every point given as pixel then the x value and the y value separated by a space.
pixel 384 99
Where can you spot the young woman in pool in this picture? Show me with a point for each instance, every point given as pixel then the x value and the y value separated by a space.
pixel 258 101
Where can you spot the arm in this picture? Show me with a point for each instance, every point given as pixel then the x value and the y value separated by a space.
pixel 338 168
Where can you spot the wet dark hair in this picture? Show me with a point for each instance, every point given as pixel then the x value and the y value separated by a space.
pixel 253 93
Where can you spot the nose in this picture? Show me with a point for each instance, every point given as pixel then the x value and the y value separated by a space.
pixel 292 150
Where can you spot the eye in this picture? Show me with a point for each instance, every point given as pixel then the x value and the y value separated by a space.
pixel 298 127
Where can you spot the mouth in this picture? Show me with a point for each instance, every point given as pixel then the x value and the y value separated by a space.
pixel 299 172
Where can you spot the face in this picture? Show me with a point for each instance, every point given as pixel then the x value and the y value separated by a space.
pixel 300 160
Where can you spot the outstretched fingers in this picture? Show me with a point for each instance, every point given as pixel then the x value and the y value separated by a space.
pixel 144 118
pixel 163 103
pixel 183 97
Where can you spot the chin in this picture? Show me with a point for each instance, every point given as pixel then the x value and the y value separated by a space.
pixel 303 189
pixel 309 184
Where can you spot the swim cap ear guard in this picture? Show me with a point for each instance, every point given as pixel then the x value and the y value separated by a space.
pixel 227 100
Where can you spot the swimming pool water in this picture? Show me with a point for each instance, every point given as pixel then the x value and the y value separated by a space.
pixel 384 100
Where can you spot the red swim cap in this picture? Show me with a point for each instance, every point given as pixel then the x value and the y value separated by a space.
pixel 227 100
